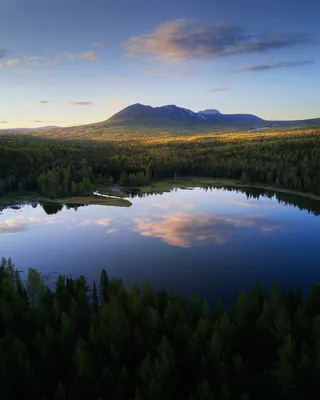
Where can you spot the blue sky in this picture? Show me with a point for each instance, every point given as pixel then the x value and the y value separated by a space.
pixel 68 63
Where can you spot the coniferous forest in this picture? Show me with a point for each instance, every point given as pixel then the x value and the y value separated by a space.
pixel 110 342
pixel 57 168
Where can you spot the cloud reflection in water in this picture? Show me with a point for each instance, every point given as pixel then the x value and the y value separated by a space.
pixel 187 230
pixel 12 226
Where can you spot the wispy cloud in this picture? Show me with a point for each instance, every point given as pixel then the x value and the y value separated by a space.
pixel 159 71
pixel 183 71
pixel 112 78
pixel 3 53
pixel 11 226
pixel 182 40
pixel 116 102
pixel 100 222
pixel 97 44
pixel 214 90
pixel 112 230
pixel 41 101
pixel 72 103
pixel 279 64
pixel 27 62
pixel 103 221
pixel 3 122
pixel 36 218
pixel 37 122
pixel 15 62
pixel 89 55
pixel 79 103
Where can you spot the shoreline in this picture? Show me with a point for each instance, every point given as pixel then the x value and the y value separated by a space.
pixel 163 186
pixel 78 200
pixel 108 197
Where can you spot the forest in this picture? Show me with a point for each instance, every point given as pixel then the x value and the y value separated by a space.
pixel 58 168
pixel 74 342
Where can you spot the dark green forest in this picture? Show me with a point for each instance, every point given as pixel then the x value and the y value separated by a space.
pixel 110 342
pixel 57 168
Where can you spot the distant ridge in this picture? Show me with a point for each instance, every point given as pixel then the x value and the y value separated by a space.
pixel 21 130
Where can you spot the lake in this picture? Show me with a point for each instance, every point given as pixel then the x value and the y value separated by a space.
pixel 214 243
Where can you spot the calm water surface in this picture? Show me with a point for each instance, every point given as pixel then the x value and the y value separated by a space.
pixel 213 243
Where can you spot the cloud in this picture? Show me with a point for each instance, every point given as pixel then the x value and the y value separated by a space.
pixel 116 102
pixel 103 221
pixel 80 103
pixel 41 102
pixel 11 226
pixel 166 206
pixel 183 71
pixel 186 230
pixel 3 122
pixel 73 103
pixel 15 62
pixel 89 55
pixel 33 62
pixel 100 222
pixel 214 90
pixel 35 219
pixel 159 71
pixel 279 64
pixel 37 122
pixel 112 78
pixel 163 206
pixel 3 53
pixel 254 204
pixel 111 231
pixel 97 44
pixel 183 40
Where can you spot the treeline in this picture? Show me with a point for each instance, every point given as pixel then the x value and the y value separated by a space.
pixel 58 168
pixel 115 343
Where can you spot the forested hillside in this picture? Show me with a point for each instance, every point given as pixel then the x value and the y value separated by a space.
pixel 113 343
pixel 59 168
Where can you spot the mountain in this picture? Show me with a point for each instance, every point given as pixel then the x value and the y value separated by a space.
pixel 142 121
pixel 140 112
pixel 209 112
pixel 172 115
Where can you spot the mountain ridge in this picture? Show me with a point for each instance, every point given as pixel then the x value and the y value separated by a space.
pixel 139 110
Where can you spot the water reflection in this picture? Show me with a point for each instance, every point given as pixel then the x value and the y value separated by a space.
pixel 55 208
pixel 300 202
pixel 188 230
pixel 12 226
pixel 210 242
pixel 50 208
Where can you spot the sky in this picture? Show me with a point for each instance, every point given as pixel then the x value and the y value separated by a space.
pixel 71 63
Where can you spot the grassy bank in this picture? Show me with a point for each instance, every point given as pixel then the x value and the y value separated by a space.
pixel 95 200
pixel 14 198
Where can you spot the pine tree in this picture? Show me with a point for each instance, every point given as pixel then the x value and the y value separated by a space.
pixel 104 286
pixel 95 298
